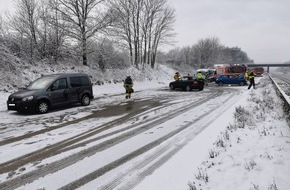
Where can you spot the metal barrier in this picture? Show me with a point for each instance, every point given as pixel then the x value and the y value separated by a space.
pixel 284 97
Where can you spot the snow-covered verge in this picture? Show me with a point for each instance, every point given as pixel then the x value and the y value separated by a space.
pixel 254 151
pixel 17 76
pixel 246 148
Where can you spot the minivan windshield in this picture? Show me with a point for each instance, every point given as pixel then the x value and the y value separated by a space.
pixel 41 83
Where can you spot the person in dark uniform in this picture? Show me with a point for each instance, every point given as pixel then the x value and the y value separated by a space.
pixel 252 80
pixel 128 85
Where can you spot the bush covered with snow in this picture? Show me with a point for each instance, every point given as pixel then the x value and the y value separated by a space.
pixel 18 74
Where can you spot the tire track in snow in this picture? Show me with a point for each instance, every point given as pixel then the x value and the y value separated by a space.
pixel 53 167
pixel 136 153
pixel 159 156
pixel 54 148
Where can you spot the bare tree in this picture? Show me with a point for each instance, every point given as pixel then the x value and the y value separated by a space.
pixel 152 12
pixel 55 33
pixel 1 26
pixel 127 27
pixel 25 23
pixel 205 49
pixel 44 31
pixel 82 20
pixel 163 31
pixel 143 25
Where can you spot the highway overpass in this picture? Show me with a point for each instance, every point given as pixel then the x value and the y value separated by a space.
pixel 269 65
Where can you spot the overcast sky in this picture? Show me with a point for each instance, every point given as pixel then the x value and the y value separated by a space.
pixel 261 28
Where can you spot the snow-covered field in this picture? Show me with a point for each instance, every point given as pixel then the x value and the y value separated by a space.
pixel 246 147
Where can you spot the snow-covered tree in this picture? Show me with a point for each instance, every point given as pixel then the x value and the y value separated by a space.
pixel 143 25
pixel 24 23
pixel 82 19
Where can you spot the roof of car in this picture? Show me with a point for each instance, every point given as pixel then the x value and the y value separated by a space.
pixel 189 77
pixel 65 74
pixel 202 70
pixel 228 74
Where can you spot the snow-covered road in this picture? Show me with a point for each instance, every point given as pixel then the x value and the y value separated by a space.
pixel 99 142
pixel 114 143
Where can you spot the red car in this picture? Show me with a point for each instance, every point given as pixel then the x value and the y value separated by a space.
pixel 259 71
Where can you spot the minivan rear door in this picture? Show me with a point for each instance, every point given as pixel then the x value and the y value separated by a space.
pixel 78 84
pixel 58 91
pixel 75 88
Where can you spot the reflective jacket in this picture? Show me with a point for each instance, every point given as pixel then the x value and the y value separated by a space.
pixel 251 75
pixel 246 75
pixel 199 76
pixel 176 77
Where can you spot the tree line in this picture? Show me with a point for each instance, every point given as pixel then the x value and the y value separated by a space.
pixel 88 31
pixel 206 53
pixel 103 33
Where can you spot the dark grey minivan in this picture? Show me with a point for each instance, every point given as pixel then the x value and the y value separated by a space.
pixel 51 91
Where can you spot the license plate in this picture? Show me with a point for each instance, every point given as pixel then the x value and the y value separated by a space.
pixel 11 105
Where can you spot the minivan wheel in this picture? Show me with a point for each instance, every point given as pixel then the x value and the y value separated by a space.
pixel 220 84
pixel 242 83
pixel 85 100
pixel 42 107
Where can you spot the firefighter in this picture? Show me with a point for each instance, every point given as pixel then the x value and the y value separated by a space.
pixel 176 76
pixel 128 85
pixel 247 75
pixel 199 76
pixel 252 79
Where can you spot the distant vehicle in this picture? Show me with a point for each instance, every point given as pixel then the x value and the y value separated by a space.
pixel 50 91
pixel 259 71
pixel 210 72
pixel 236 69
pixel 187 83
pixel 220 68
pixel 231 79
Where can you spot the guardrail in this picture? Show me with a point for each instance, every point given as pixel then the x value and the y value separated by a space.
pixel 284 97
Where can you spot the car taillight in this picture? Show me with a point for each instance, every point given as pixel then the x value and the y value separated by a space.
pixel 195 83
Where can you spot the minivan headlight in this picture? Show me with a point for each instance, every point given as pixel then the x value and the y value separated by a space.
pixel 28 98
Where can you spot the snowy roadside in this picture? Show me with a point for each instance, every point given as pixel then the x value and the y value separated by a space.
pixel 103 90
pixel 248 147
pixel 225 155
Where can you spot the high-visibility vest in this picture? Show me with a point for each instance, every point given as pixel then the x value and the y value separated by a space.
pixel 251 75
pixel 199 76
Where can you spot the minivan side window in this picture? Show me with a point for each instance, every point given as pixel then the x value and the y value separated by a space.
pixel 79 81
pixel 59 84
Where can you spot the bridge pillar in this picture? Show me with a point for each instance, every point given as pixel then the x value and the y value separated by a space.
pixel 268 69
